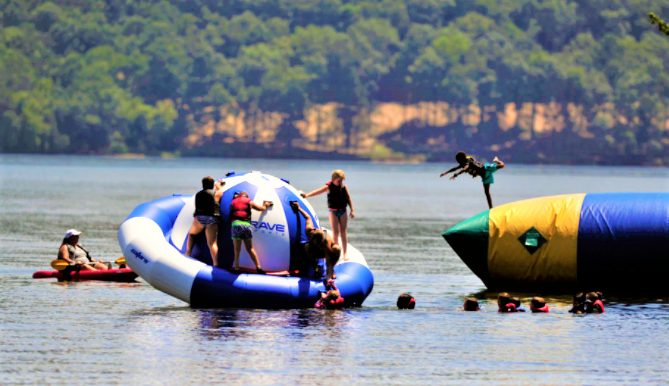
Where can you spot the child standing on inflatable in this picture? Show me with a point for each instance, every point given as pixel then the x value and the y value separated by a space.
pixel 339 199
pixel 475 168
pixel 242 231
pixel 207 215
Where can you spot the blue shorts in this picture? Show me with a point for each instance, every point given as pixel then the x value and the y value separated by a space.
pixel 490 168
pixel 207 220
pixel 241 230
pixel 338 212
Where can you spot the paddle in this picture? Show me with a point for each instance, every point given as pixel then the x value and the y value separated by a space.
pixel 60 264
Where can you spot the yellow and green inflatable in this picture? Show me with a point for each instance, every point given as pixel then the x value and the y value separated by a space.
pixel 608 242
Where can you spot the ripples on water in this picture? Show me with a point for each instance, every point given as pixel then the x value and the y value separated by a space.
pixel 109 333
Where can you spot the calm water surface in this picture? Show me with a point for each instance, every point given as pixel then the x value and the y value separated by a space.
pixel 107 333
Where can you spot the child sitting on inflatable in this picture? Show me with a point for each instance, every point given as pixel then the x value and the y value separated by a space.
pixel 330 300
pixel 242 231
pixel 475 169
pixel 338 200
pixel 538 305
pixel 406 302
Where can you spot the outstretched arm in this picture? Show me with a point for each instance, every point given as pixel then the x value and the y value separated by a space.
pixel 264 207
pixel 316 192
pixel 218 185
pixel 309 224
pixel 454 168
pixel 460 172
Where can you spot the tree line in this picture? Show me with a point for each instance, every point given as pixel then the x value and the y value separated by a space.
pixel 123 76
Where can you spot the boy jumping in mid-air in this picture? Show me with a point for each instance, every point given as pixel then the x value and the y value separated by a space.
pixel 475 168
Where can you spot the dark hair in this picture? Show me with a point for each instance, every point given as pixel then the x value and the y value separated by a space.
pixel 461 157
pixel 538 302
pixel 516 301
pixel 579 297
pixel 208 182
pixel 503 299
pixel 406 302
pixel 471 304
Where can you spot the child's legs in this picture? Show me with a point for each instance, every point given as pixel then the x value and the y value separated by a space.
pixel 237 244
pixel 343 226
pixel 195 229
pixel 212 234
pixel 486 189
pixel 334 224
pixel 252 252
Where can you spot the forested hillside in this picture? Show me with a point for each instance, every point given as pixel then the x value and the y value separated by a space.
pixel 552 81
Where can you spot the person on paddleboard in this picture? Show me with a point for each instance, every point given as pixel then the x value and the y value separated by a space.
pixel 73 253
pixel 207 216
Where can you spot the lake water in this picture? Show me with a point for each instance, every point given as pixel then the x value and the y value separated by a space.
pixel 107 333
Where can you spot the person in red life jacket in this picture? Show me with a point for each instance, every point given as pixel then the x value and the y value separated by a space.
pixel 593 303
pixel 242 230
pixel 330 300
pixel 206 216
pixel 339 199
pixel 516 304
pixel 538 304
pixel 578 304
pixel 320 244
pixel 476 169
pixel 406 302
pixel 471 304
pixel 504 303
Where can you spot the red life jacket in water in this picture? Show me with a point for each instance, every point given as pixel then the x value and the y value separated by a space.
pixel 334 304
pixel 510 308
pixel 240 209
pixel 542 309
pixel 598 307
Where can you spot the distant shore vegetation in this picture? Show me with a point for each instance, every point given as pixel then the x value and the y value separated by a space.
pixel 560 81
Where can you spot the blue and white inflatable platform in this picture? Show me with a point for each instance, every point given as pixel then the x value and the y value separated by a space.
pixel 153 239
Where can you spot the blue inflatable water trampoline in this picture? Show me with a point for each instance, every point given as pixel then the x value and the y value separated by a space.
pixel 153 240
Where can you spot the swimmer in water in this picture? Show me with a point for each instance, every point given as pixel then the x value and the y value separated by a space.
pixel 471 304
pixel 538 305
pixel 406 302
pixel 330 300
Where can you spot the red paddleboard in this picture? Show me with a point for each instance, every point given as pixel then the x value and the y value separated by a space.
pixel 124 275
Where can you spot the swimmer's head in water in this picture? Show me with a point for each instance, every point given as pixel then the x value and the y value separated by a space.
pixel 516 301
pixel 207 182
pixel 332 295
pixel 503 299
pixel 406 302
pixel 592 296
pixel 471 304
pixel 461 157
pixel 578 299
pixel 537 302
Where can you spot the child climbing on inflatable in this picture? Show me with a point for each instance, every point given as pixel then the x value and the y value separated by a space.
pixel 330 300
pixel 242 230
pixel 339 199
pixel 320 244
pixel 475 169
pixel 206 217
